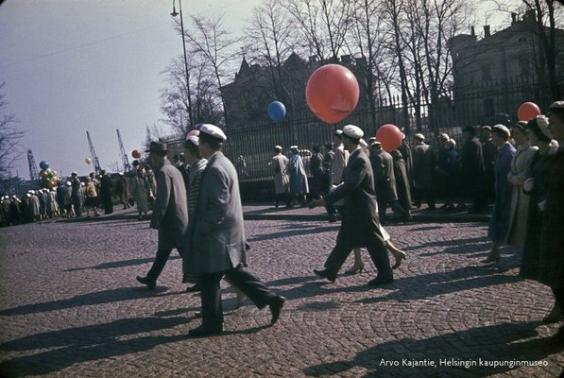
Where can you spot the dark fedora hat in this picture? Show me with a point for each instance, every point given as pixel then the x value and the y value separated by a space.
pixel 157 147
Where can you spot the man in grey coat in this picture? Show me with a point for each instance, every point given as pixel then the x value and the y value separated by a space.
pixel 216 244
pixel 360 226
pixel 170 213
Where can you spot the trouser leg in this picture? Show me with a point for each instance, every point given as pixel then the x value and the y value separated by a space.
pixel 210 294
pixel 159 263
pixel 379 257
pixel 337 257
pixel 250 285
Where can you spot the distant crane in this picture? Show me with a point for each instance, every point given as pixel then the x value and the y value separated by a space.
pixel 124 158
pixel 32 166
pixel 95 160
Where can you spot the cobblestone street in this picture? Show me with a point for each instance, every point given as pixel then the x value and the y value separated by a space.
pixel 70 307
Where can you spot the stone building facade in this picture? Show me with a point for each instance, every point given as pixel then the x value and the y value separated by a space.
pixel 493 75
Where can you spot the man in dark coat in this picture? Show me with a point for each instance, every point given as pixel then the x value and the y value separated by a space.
pixel 75 194
pixel 424 162
pixel 216 243
pixel 106 192
pixel 385 181
pixel 472 169
pixel 489 150
pixel 360 226
pixel 170 212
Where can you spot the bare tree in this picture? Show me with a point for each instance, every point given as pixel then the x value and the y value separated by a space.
pixel 10 137
pixel 306 14
pixel 209 38
pixel 270 39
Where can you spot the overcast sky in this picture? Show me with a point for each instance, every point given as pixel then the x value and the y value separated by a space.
pixel 76 65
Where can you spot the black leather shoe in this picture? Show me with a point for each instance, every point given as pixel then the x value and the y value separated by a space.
pixel 379 281
pixel 204 331
pixel 276 307
pixel 325 274
pixel 146 281
pixel 194 289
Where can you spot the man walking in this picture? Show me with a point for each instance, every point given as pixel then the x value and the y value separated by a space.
pixel 360 226
pixel 423 171
pixel 216 239
pixel 170 214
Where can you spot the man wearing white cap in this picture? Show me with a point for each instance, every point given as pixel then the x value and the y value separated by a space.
pixel 279 163
pixel 216 243
pixel 423 170
pixel 299 186
pixel 360 226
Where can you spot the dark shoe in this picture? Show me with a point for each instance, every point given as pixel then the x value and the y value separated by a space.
pixel 275 308
pixel 146 281
pixel 325 274
pixel 204 331
pixel 355 270
pixel 379 281
pixel 194 289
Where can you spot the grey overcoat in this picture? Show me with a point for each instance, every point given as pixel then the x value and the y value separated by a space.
pixel 170 213
pixel 216 239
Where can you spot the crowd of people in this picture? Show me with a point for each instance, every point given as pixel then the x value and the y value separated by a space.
pixel 81 196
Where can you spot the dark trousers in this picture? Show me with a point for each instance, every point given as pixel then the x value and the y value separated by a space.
pixel 284 197
pixel 251 286
pixel 426 194
pixel 376 250
pixel 160 262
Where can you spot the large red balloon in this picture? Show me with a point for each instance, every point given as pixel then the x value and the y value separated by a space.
pixel 136 154
pixel 527 111
pixel 332 93
pixel 390 136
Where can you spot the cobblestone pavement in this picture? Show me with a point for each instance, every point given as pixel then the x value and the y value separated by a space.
pixel 70 307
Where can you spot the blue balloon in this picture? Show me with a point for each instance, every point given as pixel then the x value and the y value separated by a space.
pixel 43 165
pixel 276 111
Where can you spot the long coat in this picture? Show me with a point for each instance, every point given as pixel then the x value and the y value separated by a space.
pixel 551 270
pixel 423 166
pixel 340 161
pixel 472 166
pixel 518 214
pixel 216 239
pixel 170 212
pixel 298 176
pixel 402 180
pixel 499 222
pixel 279 163
pixel 540 169
pixel 360 222
pixel 140 190
pixel 384 177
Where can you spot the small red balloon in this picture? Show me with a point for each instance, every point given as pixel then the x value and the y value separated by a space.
pixel 527 111
pixel 390 136
pixel 332 93
pixel 136 154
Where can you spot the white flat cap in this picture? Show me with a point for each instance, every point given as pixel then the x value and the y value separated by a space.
pixel 363 143
pixel 503 129
pixel 419 136
pixel 278 147
pixel 193 139
pixel 557 105
pixel 294 147
pixel 338 132
pixel 212 131
pixel 353 131
pixel 445 136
